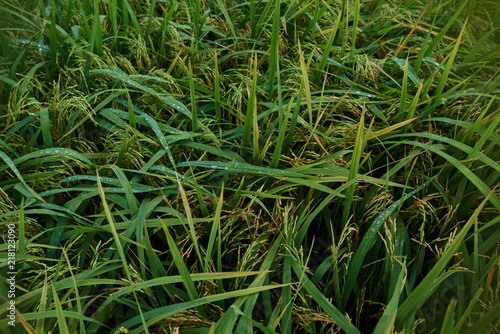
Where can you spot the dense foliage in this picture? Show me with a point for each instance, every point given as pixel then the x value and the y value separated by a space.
pixel 220 166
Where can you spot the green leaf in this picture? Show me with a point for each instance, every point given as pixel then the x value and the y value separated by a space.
pixel 61 321
pixel 368 241
pixel 12 166
pixel 420 294
pixel 322 301
pixel 386 322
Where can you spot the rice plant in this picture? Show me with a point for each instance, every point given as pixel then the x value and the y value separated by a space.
pixel 273 166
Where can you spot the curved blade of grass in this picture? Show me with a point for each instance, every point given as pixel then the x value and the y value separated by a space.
pixel 251 108
pixel 77 294
pixel 45 124
pixel 168 280
pixel 168 100
pixel 113 17
pixel 386 322
pixel 229 22
pixel 26 80
pixel 389 129
pixel 189 217
pixel 448 317
pixel 404 88
pixel 215 231
pixel 27 327
pixel 328 47
pixel 286 297
pixel 354 30
pixel 422 291
pixel 53 152
pixel 192 93
pixel 157 130
pixel 217 75
pixel 61 321
pixel 50 314
pixel 488 132
pixel 293 121
pixel 463 169
pixel 305 77
pixel 322 301
pixel 40 323
pixel 86 278
pixel 282 126
pixel 443 80
pixel 273 52
pixel 117 242
pixel 126 185
pixel 127 10
pixel 472 152
pixel 163 141
pixel 487 319
pixel 264 17
pixel 241 167
pixel 354 167
pixel 162 31
pixel 227 321
pixel 108 180
pixel 22 229
pixel 179 263
pixel 95 37
pixel 131 114
pixel 465 315
pixel 307 222
pixel 409 71
pixel 263 328
pixel 163 312
pixel 368 241
pixel 428 51
pixel 229 155
pixel 494 137
pixel 314 183
pixel 12 166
